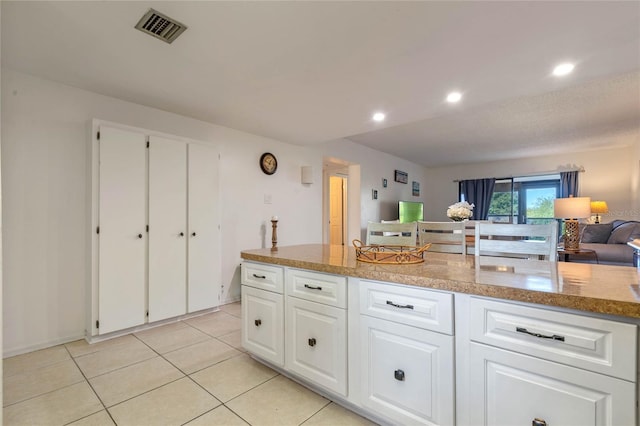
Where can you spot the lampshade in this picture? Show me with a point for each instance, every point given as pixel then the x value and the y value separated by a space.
pixel 572 207
pixel 599 207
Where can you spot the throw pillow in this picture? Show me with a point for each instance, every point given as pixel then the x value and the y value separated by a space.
pixel 621 234
pixel 598 233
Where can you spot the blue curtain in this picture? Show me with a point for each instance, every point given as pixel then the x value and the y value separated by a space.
pixel 568 184
pixel 478 192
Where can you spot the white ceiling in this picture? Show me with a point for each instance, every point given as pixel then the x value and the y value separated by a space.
pixel 309 72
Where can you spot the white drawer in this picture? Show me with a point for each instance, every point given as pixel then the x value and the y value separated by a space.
pixel 594 344
pixel 317 287
pixel 264 277
pixel 427 309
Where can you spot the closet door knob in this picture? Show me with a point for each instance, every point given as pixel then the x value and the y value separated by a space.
pixel 257 322
pixel 538 422
pixel 193 234
pixel 312 342
pixel 139 235
pixel 182 234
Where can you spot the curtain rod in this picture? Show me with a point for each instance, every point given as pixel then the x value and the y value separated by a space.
pixel 551 172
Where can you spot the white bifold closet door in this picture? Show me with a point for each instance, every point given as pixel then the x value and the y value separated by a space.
pixel 167 228
pixel 204 234
pixel 122 223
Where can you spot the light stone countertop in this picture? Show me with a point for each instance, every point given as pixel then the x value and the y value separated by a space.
pixel 603 289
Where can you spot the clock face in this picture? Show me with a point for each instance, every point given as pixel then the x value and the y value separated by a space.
pixel 268 163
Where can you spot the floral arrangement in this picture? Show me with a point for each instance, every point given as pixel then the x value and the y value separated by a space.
pixel 460 211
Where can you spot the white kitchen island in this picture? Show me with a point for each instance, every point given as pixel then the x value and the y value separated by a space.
pixel 450 340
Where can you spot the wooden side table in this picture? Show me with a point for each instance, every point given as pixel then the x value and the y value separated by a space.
pixel 565 254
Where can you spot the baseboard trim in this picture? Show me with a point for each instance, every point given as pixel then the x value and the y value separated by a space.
pixel 148 326
pixel 43 345
pixel 99 338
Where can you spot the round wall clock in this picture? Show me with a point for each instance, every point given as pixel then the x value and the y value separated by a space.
pixel 268 163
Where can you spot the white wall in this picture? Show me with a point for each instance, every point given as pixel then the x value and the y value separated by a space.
pixel 1 273
pixel 635 177
pixel 609 175
pixel 43 181
pixel 45 140
pixel 378 165
pixel 43 165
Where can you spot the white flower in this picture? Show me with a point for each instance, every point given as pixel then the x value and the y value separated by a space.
pixel 460 211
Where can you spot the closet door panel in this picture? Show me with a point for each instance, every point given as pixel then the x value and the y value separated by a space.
pixel 167 228
pixel 204 233
pixel 122 237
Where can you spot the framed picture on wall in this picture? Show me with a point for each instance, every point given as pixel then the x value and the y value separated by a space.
pixel 415 188
pixel 401 176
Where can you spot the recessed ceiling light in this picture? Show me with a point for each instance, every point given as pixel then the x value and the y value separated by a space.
pixel 454 97
pixel 378 116
pixel 563 69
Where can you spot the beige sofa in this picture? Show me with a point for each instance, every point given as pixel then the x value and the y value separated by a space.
pixel 609 240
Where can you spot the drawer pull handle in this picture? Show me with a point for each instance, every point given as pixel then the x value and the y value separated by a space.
pixel 389 302
pixel 262 277
pixel 399 375
pixel 311 287
pixel 312 342
pixel 538 422
pixel 542 336
pixel 258 322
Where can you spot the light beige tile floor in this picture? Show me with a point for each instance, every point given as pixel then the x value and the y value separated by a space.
pixel 192 372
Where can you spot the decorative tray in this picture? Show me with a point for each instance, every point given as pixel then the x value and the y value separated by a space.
pixel 389 254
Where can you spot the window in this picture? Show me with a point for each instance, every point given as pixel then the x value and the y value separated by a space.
pixel 524 199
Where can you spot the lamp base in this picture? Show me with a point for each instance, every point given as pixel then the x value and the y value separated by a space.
pixel 571 235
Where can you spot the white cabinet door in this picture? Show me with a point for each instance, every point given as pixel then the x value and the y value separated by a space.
pixel 122 237
pixel 317 343
pixel 406 372
pixel 203 234
pixel 507 388
pixel 167 228
pixel 263 324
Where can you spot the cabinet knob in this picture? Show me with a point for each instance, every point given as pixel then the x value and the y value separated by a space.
pixel 399 375
pixel 193 234
pixel 312 342
pixel 258 322
pixel 538 422
pixel 139 235
pixel 181 234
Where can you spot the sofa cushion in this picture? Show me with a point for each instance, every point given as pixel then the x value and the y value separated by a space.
pixel 622 232
pixel 598 233
pixel 618 254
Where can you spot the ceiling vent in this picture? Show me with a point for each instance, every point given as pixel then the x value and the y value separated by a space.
pixel 160 26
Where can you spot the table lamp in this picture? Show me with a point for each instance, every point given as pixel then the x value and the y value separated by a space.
pixel 599 207
pixel 571 209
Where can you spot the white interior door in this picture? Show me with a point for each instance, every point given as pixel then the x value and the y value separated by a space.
pixel 167 228
pixel 122 237
pixel 204 234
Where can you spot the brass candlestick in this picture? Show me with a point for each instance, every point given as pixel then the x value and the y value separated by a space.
pixel 274 235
